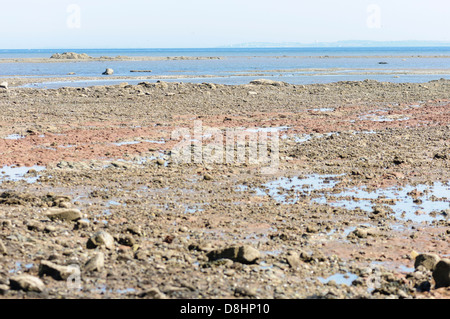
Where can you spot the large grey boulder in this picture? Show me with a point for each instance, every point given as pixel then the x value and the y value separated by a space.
pixel 428 261
pixel 55 271
pixel 243 254
pixel 108 71
pixel 26 283
pixel 67 214
pixel 441 273
pixel 99 239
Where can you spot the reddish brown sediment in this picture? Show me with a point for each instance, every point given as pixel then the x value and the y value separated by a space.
pixel 166 217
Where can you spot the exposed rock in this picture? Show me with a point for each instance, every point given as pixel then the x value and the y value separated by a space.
pixel 293 260
pixel 244 254
pixel 26 283
pixel 143 71
pixel 70 56
pixel 101 238
pixel 245 291
pixel 428 261
pixel 3 289
pixel 108 71
pixel 96 263
pixel 441 273
pixel 82 224
pixel 3 250
pixel 162 84
pixel 153 293
pixel 127 240
pixel 55 271
pixel 160 162
pixel 35 226
pixel 267 82
pixel 362 233
pixel 135 230
pixel 67 214
pixel 207 177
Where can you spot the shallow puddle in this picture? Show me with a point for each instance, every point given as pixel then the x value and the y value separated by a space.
pixel 381 118
pixel 432 198
pixel 278 189
pixel 14 137
pixel 13 173
pixel 340 279
pixel 19 266
pixel 192 209
pixel 268 129
pixel 127 143
pixel 306 137
pixel 324 109
pixel 139 142
pixel 421 203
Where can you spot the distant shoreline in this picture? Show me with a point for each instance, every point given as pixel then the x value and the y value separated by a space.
pixel 158 58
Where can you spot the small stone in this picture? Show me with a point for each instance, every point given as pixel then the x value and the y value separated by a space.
pixel 244 254
pixel 101 238
pixel 6 223
pixel 50 229
pixel 267 82
pixel 55 271
pixel 26 283
pixel 293 261
pixel 245 292
pixel 153 293
pixel 127 241
pixel 3 250
pixel 96 263
pixel 183 229
pixel 82 223
pixel 35 226
pixel 65 205
pixel 4 85
pixel 441 273
pixel 3 289
pixel 428 261
pixel 160 162
pixel 360 233
pixel 169 239
pixel 311 229
pixel 248 254
pixel 135 230
pixel 108 71
pixel 207 177
pixel 66 214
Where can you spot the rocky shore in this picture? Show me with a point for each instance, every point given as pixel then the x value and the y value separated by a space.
pixel 83 57
pixel 92 204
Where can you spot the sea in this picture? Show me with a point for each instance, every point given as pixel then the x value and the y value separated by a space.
pixel 236 65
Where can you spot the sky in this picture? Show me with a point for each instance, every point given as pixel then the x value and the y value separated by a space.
pixel 31 24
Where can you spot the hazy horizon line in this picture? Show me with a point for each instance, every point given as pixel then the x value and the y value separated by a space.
pixel 268 45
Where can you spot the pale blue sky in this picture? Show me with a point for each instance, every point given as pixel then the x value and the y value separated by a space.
pixel 27 24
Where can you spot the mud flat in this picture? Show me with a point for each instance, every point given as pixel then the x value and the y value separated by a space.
pixel 93 205
pixel 77 57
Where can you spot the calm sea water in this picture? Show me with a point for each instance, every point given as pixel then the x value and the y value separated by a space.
pixel 241 65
